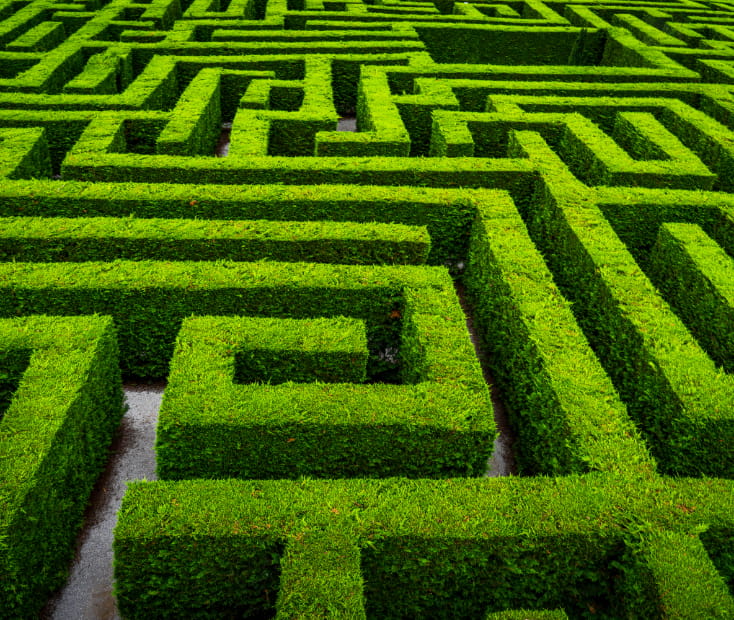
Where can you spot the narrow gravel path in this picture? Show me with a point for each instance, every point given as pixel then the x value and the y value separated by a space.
pixel 87 594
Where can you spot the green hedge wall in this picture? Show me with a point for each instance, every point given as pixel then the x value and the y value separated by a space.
pixel 212 426
pixel 149 299
pixel 651 157
pixel 54 438
pixel 398 548
pixel 598 130
pixel 637 219
pixel 446 213
pixel 672 389
pixel 39 239
pixel 24 153
pixel 97 158
pixel 512 45
pixel 719 544
pixel 273 351
pixel 696 277
pixel 13 364
pixel 197 118
pixel 562 406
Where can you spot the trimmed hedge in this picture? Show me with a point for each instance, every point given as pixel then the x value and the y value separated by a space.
pixel 719 544
pixel 697 278
pixel 438 425
pixel 54 438
pixel 312 370
pixel 61 130
pixel 279 117
pixel 512 45
pixel 680 402
pixel 381 132
pixel 563 407
pixel 149 299
pixel 197 118
pixel 446 213
pixel 273 351
pixel 651 157
pixel 698 143
pixel 637 215
pixel 472 134
pixel 97 157
pixel 12 366
pixel 401 548
pixel 38 239
pixel 676 569
pixel 106 72
pixel 24 153
pixel 41 38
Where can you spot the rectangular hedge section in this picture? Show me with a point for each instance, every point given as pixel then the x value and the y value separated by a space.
pixel 281 398
pixel 375 251
pixel 62 401
pixel 396 548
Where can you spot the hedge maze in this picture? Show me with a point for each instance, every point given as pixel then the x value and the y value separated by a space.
pixel 179 200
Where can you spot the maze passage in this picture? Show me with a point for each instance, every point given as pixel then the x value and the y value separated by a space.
pixel 289 210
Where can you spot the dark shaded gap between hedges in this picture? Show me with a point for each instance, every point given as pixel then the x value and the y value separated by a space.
pixel 87 594
pixel 13 365
pixel 503 461
pixel 222 148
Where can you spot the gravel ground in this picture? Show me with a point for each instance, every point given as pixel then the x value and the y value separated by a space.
pixel 87 594
pixel 347 123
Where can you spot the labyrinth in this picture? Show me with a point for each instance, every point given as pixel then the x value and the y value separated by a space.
pixel 182 199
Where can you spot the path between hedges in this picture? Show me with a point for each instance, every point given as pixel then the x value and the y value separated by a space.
pixel 88 591
pixel 87 594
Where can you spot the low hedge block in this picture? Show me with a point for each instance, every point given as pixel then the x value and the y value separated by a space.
pixel 211 425
pixel 106 72
pixel 37 239
pixel 54 438
pixel 397 548
pixel 673 390
pixel 273 351
pixel 696 276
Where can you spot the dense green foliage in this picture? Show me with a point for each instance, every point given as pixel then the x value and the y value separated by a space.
pixel 181 174
pixel 149 299
pixel 697 278
pixel 280 398
pixel 451 548
pixel 104 239
pixel 54 438
pixel 540 358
